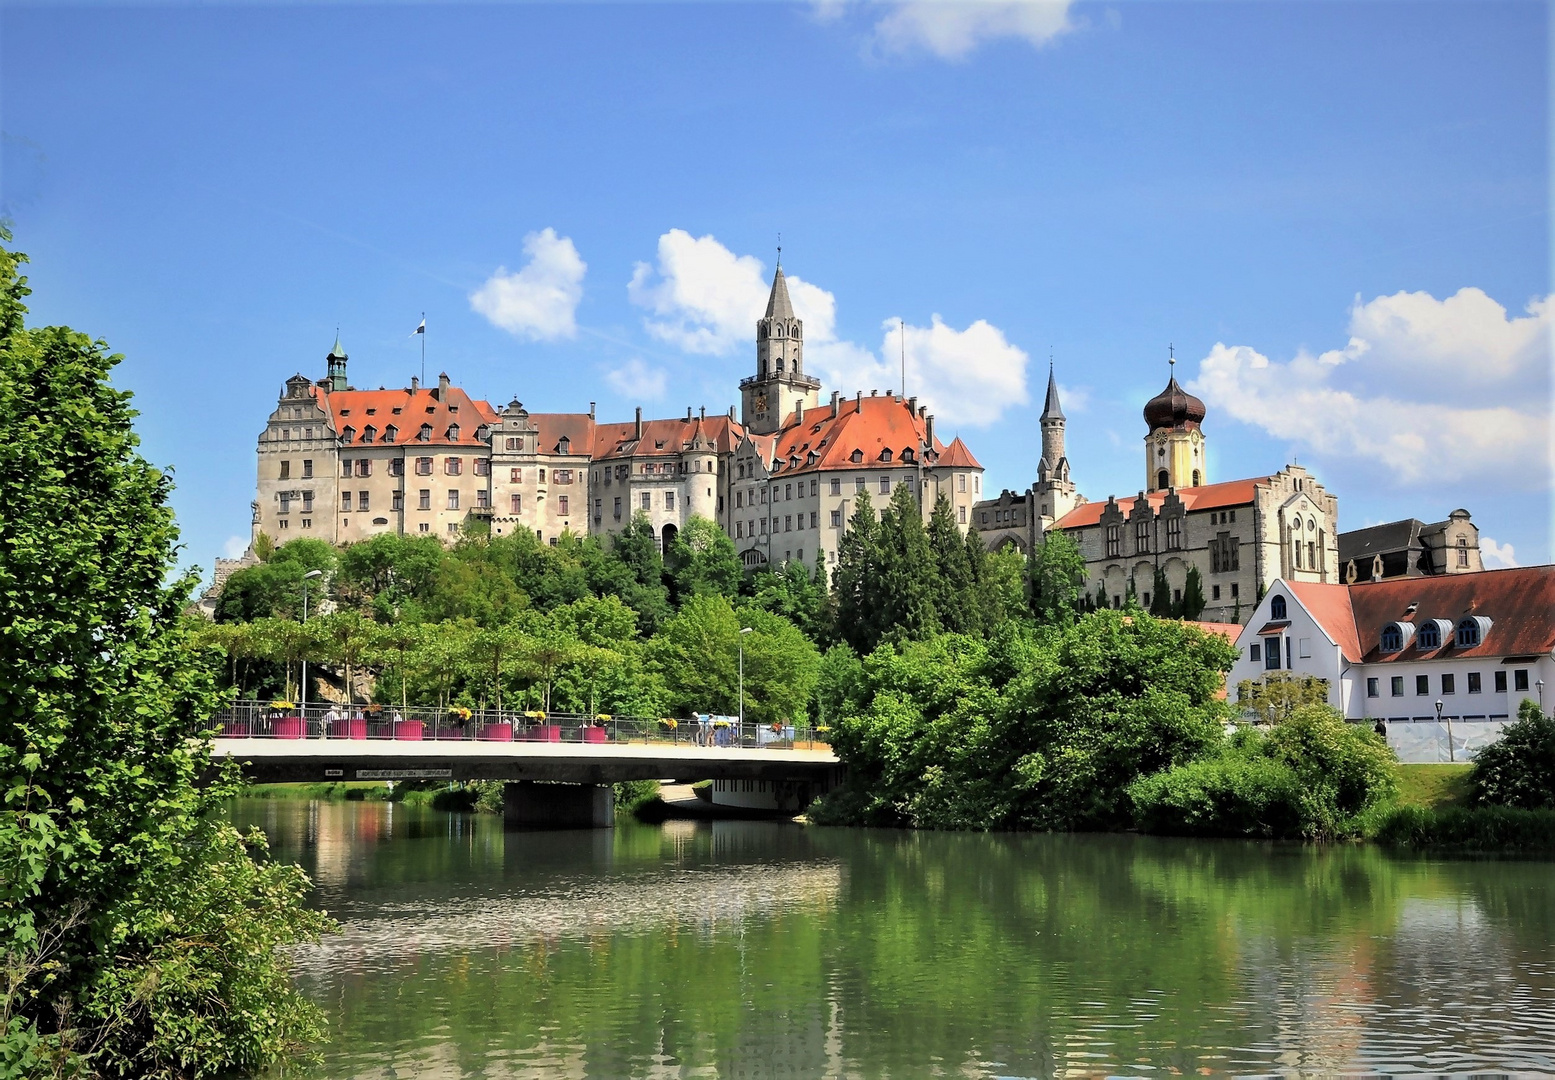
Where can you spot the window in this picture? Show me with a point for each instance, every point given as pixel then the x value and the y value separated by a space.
pixel 788 522
pixel 1114 542
pixel 425 434
pixel 739 530
pixel 960 481
pixel 1277 609
pixel 423 466
pixel 364 467
pixel 1141 536
pixel 286 502
pixel 1449 683
pixel 515 504
pixel 286 470
pixel 1471 631
pixel 307 468
pixel 423 527
pixel 1422 684
pixel 814 487
pixel 647 501
pixel 369 433
pixel 859 484
pixel 513 444
pixel 345 502
pixel 1174 534
pixel 599 509
pixel 1311 555
pixel 1396 686
pixel 836 519
pixel 1429 637
pixel 1371 688
pixel 424 500
pixel 561 505
pixel 788 491
pixel 1474 684
pixel 397 501
pixel 961 514
pixel 397 467
pixel 453 466
pixel 1225 555
pixel 285 524
pixel 669 500
pixel 1255 651
pixel 836 485
pixel 1234 588
pixel 1463 554
pixel 1271 654
pixel 453 498
pixel 345 466
pixel 307 523
pixel 1500 682
pixel 1214 592
pixel 515 476
pixel 453 433
pixel 482 466
pixel 307 503
pixel 1302 644
pixel 361 498
pixel 885 485
pixel 561 476
pixel 390 433
pixel 348 435
pixel 1520 679
pixel 618 508
pixel 739 499
pixel 814 519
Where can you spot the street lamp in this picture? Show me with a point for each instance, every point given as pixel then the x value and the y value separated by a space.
pixel 1539 686
pixel 740 734
pixel 1452 755
pixel 302 700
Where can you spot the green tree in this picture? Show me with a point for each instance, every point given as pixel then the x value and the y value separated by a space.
pixel 793 592
pixel 908 579
pixel 1058 579
pixel 347 639
pixel 697 654
pixel 637 575
pixel 855 581
pixel 139 924
pixel 955 598
pixel 388 573
pixel 1278 694
pixel 1161 605
pixel 702 561
pixel 1518 769
pixel 1193 595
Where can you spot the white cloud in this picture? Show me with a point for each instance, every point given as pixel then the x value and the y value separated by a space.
pixel 1074 398
pixel 1426 390
pixel 706 299
pixel 1496 556
pixel 234 547
pixel 635 379
pixel 952 29
pixel 541 300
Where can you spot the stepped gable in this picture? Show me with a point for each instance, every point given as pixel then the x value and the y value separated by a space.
pixel 407 410
pixel 870 425
pixel 1207 497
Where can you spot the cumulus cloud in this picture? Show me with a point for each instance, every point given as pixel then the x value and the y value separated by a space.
pixel 705 299
pixel 1496 556
pixel 1425 390
pixel 952 29
pixel 635 379
pixel 540 301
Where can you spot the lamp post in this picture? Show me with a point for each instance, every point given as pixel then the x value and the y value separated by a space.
pixel 1452 755
pixel 1539 686
pixel 302 699
pixel 738 735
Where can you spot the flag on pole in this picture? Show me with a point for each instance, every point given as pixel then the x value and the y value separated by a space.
pixel 422 329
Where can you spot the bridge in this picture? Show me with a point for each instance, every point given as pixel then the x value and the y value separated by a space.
pixel 549 782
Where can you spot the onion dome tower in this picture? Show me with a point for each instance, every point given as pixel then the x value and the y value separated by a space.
pixel 1174 444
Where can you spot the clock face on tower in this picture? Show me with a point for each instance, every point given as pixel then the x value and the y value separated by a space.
pixel 761 402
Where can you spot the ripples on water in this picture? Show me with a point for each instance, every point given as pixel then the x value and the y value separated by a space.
pixel 764 950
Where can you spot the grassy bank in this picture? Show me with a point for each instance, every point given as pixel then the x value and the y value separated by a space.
pixel 1434 787
pixel 1463 828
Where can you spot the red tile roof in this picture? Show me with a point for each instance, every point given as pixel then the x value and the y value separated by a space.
pixel 1207 497
pixel 871 426
pixel 576 428
pixel 1227 630
pixel 664 437
pixel 1329 606
pixel 1519 601
pixel 407 410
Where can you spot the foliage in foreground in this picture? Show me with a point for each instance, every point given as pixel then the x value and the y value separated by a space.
pixel 1312 777
pixel 1040 727
pixel 1518 769
pixel 142 935
pixel 1475 828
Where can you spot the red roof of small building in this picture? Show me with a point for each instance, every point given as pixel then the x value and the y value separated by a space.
pixel 1206 497
pixel 407 410
pixel 1330 607
pixel 1227 630
pixel 576 428
pixel 665 438
pixel 872 426
pixel 1519 601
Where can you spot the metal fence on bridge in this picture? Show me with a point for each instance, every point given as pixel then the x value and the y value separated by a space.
pixel 267 720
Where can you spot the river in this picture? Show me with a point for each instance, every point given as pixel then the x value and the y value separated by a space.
pixel 743 949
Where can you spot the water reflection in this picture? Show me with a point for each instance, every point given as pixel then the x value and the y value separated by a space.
pixel 749 949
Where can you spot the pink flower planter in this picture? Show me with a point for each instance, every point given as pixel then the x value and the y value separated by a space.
pixel 349 729
pixel 594 734
pixel 496 733
pixel 288 727
pixel 409 730
pixel 543 733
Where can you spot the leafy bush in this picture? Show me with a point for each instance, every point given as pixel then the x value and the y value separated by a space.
pixel 1518 769
pixel 1235 794
pixel 1479 828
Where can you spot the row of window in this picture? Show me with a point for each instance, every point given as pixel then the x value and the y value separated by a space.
pixel 361 501
pixel 391 433
pixel 452 466
pixel 1449 683
pixel 1432 634
pixel 787 523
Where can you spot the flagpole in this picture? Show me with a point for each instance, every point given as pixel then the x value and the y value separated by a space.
pixel 423 348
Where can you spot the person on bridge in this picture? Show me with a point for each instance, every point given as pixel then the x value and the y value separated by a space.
pixel 331 718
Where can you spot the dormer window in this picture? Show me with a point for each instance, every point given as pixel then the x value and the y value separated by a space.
pixel 369 434
pixel 1395 636
pixel 453 433
pixel 1472 631
pixel 425 434
pixel 1432 633
pixel 856 457
pixel 1277 609
pixel 482 432
pixel 348 435
pixel 390 433
pixel 885 455
pixel 565 446
pixel 908 455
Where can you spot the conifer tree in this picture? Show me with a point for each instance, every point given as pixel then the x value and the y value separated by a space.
pixel 1161 596
pixel 1193 594
pixel 858 568
pixel 908 576
pixel 956 598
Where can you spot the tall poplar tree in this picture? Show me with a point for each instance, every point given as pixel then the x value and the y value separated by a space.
pixel 855 579
pixel 909 578
pixel 955 585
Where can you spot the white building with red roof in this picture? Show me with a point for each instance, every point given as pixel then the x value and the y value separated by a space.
pixel 343 464
pixel 1476 644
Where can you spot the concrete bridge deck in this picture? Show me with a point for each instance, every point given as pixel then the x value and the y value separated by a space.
pixel 280 761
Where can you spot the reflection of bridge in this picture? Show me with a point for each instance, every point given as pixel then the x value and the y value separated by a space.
pixel 549 783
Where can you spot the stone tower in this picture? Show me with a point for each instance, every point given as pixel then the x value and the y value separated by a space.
pixel 780 385
pixel 1174 445
pixel 1055 493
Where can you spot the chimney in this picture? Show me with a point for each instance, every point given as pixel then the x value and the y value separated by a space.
pixel 702 413
pixel 874 393
pixel 799 411
pixel 415 384
pixel 688 414
pixel 859 402
pixel 639 421
pixel 912 403
pixel 731 412
pixel 836 396
pixel 591 410
pixel 928 430
pixel 442 386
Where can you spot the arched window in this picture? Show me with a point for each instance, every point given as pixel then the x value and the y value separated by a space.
pixel 1277 608
pixel 1472 630
pixel 1195 478
pixel 1430 636
pixel 1162 481
pixel 1392 640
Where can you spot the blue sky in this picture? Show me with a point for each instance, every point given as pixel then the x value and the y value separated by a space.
pixel 1336 212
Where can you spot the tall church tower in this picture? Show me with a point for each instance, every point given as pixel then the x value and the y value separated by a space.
pixel 780 385
pixel 1055 493
pixel 1174 445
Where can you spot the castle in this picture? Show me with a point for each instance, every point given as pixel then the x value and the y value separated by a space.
pixel 343 464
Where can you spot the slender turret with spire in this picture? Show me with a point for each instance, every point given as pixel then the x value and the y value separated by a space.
pixel 336 361
pixel 1054 463
pixel 780 385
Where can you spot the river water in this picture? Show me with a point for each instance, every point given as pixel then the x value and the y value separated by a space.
pixel 741 949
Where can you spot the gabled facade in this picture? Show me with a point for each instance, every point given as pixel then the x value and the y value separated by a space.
pixel 1478 643
pixel 1411 548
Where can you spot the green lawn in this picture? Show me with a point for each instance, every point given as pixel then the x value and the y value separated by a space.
pixel 1433 786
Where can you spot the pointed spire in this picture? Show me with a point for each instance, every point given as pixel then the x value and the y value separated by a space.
pixel 778 304
pixel 338 349
pixel 1051 410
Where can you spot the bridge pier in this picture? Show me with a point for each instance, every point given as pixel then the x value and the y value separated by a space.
pixel 528 804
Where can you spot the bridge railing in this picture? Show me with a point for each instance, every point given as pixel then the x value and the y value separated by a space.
pixel 267 720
